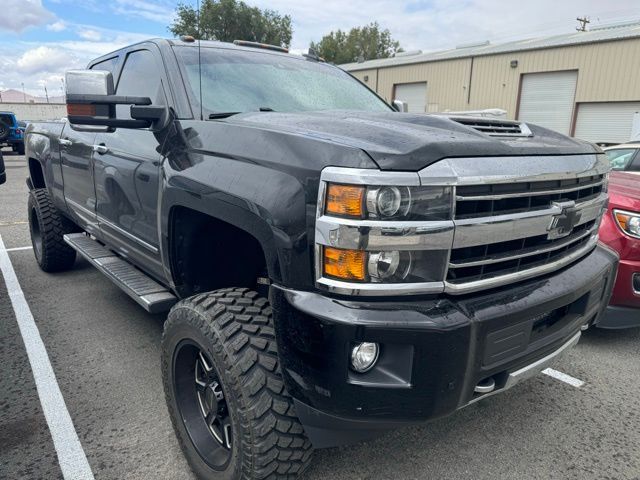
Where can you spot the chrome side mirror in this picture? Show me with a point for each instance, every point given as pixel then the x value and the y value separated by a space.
pixel 400 106
pixel 89 82
pixel 91 102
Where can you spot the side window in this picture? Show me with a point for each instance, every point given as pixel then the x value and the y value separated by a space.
pixel 109 65
pixel 140 77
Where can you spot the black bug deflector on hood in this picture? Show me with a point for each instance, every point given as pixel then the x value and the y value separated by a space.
pixel 410 142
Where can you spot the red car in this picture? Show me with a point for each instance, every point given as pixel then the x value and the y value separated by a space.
pixel 620 230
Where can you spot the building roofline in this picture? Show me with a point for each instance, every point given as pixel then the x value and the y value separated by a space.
pixel 601 34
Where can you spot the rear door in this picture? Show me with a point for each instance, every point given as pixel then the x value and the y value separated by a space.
pixel 76 156
pixel 76 150
pixel 127 165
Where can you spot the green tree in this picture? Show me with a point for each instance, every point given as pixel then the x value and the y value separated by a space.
pixel 229 20
pixel 360 43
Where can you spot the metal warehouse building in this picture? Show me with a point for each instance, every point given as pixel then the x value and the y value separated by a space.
pixel 585 84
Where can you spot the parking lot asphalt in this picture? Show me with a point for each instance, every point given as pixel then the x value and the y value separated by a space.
pixel 105 353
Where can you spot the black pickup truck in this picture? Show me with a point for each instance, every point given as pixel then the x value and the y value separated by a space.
pixel 331 267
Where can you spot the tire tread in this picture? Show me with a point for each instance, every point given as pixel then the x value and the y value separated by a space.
pixel 239 324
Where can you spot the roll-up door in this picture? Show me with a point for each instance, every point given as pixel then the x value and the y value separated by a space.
pixel 414 95
pixel 547 99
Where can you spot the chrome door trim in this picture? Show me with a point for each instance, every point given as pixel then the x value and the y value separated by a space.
pixel 130 236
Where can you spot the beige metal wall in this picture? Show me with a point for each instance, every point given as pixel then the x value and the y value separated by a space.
pixel 608 71
pixel 35 111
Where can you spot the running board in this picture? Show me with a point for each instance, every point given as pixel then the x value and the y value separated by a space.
pixel 152 296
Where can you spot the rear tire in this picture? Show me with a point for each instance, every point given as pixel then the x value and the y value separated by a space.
pixel 20 149
pixel 231 330
pixel 47 227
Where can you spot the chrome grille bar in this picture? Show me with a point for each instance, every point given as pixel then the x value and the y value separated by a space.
pixel 529 252
pixel 531 193
pixel 477 285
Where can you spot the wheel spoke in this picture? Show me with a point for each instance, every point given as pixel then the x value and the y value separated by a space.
pixel 204 362
pixel 226 427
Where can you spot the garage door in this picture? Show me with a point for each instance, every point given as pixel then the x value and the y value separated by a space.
pixel 606 122
pixel 414 95
pixel 547 99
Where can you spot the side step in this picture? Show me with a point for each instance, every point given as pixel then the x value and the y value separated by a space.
pixel 152 296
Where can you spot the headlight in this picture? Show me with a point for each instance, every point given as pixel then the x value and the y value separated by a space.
pixel 629 222
pixel 388 202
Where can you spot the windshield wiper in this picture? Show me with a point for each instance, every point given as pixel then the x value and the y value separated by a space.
pixel 216 115
pixel 213 116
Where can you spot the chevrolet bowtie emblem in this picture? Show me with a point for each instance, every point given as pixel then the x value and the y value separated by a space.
pixel 563 223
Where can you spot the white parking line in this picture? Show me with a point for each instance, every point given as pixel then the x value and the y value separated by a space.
pixel 71 457
pixel 17 249
pixel 563 377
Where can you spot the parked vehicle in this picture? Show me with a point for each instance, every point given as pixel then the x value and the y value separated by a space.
pixel 620 230
pixel 333 268
pixel 624 157
pixel 11 133
pixel 3 174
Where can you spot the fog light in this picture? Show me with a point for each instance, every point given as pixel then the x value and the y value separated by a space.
pixel 364 356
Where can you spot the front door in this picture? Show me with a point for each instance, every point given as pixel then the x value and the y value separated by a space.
pixel 127 166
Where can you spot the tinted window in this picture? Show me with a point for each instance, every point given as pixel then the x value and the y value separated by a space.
pixel 241 81
pixel 140 77
pixel 109 65
pixel 620 158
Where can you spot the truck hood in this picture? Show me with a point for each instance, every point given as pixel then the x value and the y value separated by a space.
pixel 624 190
pixel 410 142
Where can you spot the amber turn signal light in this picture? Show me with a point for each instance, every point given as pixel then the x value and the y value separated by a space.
pixel 345 200
pixel 81 109
pixel 344 264
pixel 622 220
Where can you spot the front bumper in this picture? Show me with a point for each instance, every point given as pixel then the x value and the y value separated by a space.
pixel 616 317
pixel 434 351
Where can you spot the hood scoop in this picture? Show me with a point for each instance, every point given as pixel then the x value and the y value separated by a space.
pixel 495 128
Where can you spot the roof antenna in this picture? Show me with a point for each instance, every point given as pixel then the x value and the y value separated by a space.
pixel 199 61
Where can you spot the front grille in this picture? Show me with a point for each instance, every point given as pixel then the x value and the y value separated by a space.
pixel 473 201
pixel 495 128
pixel 482 262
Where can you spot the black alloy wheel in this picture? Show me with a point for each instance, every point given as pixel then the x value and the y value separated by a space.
pixel 200 397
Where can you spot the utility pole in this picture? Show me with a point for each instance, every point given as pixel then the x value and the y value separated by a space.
pixel 24 95
pixel 583 23
pixel 46 94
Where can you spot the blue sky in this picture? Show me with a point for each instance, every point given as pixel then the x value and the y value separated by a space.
pixel 40 39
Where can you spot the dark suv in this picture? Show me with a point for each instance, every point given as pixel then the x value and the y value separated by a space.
pixel 11 132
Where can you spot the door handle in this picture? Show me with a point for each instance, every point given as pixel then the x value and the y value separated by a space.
pixel 100 149
pixel 65 142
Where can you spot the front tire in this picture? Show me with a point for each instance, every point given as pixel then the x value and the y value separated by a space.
pixel 224 389
pixel 47 226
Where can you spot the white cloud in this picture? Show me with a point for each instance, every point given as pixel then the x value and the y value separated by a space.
pixel 58 26
pixel 19 15
pixel 443 24
pixel 161 12
pixel 89 34
pixel 43 59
